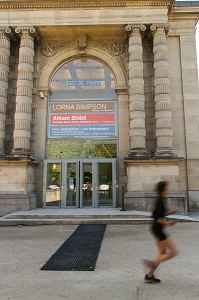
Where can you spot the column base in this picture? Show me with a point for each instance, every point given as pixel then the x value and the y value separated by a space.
pixel 138 154
pixel 17 190
pixel 22 153
pixel 2 154
pixel 164 154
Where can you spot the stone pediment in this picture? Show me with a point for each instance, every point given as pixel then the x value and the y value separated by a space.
pixel 14 4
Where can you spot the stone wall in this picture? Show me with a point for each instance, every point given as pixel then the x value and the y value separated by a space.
pixel 146 201
pixel 17 186
pixel 142 179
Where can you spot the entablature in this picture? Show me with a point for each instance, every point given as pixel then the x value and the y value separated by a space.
pixel 185 13
pixel 42 4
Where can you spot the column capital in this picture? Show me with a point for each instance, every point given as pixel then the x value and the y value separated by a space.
pixel 8 31
pixel 130 27
pixel 30 30
pixel 165 27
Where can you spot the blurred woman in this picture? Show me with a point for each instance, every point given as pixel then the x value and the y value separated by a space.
pixel 165 245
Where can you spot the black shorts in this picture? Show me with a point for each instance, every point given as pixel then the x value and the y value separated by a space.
pixel 159 233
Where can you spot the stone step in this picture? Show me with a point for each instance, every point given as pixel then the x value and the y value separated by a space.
pixel 74 216
pixel 73 221
pixel 77 221
pixel 59 216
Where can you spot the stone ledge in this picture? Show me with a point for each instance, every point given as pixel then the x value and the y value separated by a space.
pixel 10 203
pixel 153 160
pixel 144 201
pixel 8 160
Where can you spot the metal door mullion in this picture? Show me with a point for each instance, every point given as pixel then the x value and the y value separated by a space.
pixel 94 186
pixel 44 184
pixel 78 204
pixel 80 177
pixel 63 183
pixel 114 177
pixel 95 170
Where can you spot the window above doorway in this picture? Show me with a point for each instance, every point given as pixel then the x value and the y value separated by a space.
pixel 85 79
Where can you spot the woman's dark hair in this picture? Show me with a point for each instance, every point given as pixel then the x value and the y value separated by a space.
pixel 161 186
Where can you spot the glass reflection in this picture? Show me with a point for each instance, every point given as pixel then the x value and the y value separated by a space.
pixel 71 185
pixel 87 184
pixel 105 184
pixel 88 79
pixel 53 184
pixel 82 149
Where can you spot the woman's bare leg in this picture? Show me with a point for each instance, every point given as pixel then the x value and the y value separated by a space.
pixel 166 251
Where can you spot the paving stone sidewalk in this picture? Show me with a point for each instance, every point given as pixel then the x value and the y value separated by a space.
pixel 119 271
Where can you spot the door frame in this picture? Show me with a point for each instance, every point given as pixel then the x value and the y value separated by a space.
pixel 79 180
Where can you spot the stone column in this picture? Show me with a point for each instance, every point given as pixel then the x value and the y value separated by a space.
pixel 34 105
pixel 23 114
pixel 5 35
pixel 162 98
pixel 137 131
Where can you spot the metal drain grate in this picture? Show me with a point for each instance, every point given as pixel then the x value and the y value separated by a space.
pixel 80 251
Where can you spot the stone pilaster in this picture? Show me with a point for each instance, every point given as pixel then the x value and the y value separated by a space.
pixel 162 98
pixel 23 114
pixel 41 130
pixel 137 131
pixel 5 36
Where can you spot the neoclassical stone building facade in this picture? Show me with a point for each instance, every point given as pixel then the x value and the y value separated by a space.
pixel 123 74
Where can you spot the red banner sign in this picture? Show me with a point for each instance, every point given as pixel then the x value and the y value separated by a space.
pixel 61 119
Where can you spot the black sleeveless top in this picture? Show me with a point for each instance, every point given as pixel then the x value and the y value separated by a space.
pixel 159 209
pixel 159 212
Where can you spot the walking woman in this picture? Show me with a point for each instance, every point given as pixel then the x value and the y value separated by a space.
pixel 165 245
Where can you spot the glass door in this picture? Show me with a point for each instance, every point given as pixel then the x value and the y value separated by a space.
pixel 105 187
pixel 52 184
pixel 80 183
pixel 106 183
pixel 61 183
pixel 71 183
pixel 98 183
pixel 86 184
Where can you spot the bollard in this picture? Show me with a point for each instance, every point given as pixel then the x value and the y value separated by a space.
pixel 123 200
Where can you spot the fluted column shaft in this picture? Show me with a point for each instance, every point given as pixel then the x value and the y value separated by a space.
pixel 162 89
pixel 23 114
pixel 4 71
pixel 136 89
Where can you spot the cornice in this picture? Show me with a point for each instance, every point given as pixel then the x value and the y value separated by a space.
pixel 184 14
pixel 39 4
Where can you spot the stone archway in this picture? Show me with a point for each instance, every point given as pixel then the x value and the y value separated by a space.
pixel 57 60
pixel 43 86
pixel 46 75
